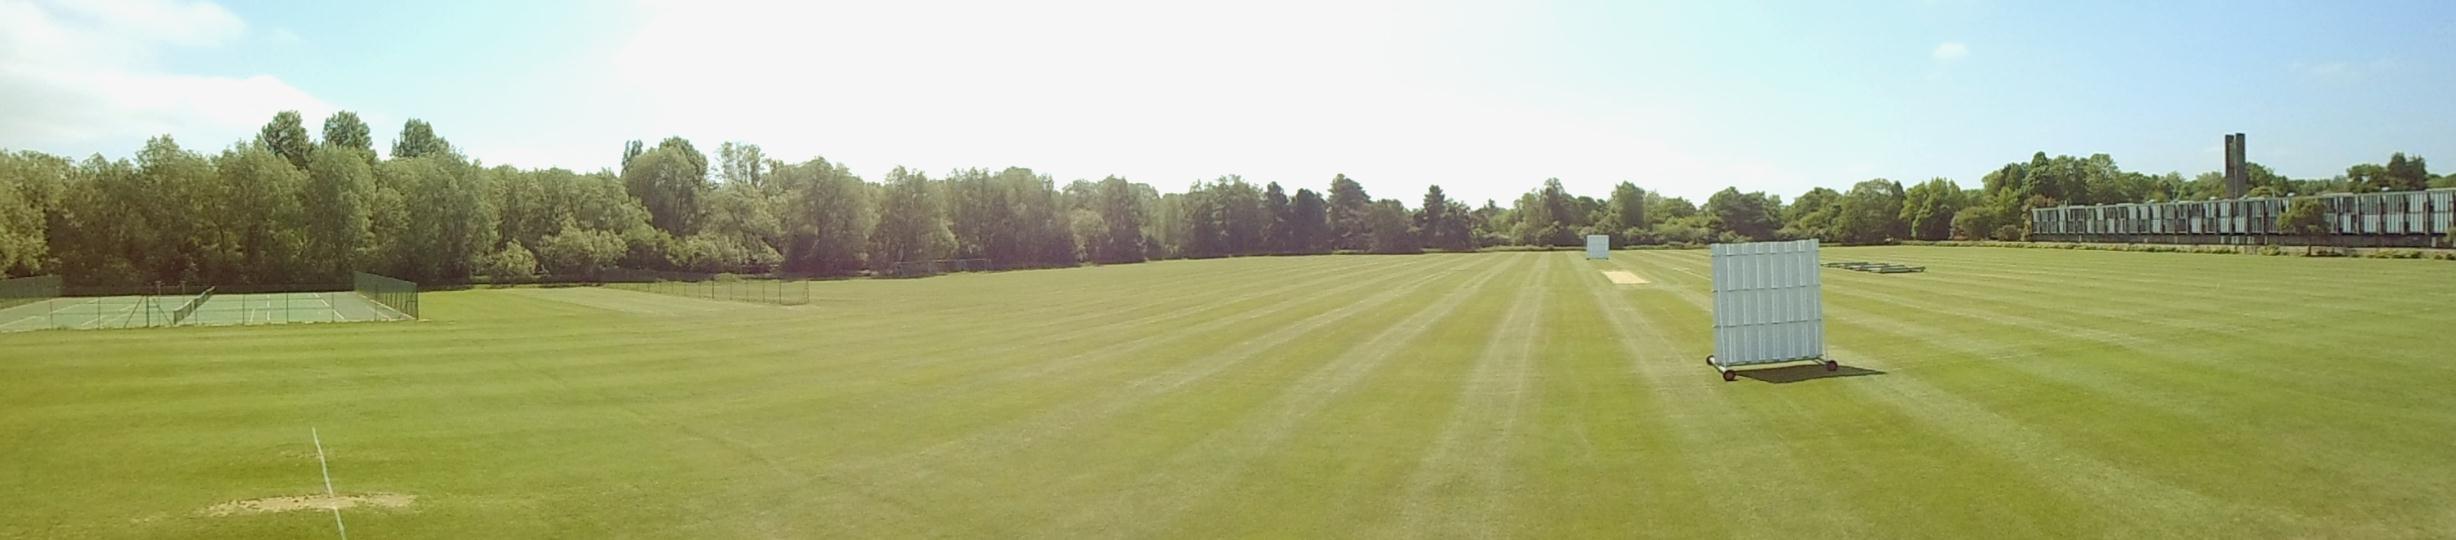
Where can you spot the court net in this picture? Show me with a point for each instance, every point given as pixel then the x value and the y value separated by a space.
pixel 181 314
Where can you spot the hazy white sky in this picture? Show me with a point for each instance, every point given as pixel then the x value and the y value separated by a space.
pixel 1484 98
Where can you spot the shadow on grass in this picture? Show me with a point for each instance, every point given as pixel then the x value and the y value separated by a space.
pixel 1810 372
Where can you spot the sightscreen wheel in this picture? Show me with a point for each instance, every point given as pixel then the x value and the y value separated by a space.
pixel 1729 376
pixel 1709 359
pixel 1832 366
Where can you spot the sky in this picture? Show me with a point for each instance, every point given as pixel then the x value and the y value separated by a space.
pixel 1486 99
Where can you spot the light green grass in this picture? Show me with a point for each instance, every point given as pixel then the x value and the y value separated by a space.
pixel 2005 392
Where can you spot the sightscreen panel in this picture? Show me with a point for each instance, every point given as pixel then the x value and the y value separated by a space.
pixel 1768 303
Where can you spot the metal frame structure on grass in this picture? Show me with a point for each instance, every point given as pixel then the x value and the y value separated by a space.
pixel 1768 305
pixel 398 294
pixel 1598 247
pixel 45 305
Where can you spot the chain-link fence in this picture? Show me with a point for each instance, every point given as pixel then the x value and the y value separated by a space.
pixel 27 290
pixel 762 291
pixel 912 269
pixel 42 305
pixel 401 296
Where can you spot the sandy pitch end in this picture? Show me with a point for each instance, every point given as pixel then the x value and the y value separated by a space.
pixel 313 502
pixel 1623 277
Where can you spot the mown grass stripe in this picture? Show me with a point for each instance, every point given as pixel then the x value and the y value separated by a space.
pixel 1775 476
pixel 1167 491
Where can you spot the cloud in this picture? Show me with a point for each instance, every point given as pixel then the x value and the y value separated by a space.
pixel 1950 51
pixel 85 75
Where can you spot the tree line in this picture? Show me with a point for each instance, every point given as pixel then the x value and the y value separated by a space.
pixel 288 207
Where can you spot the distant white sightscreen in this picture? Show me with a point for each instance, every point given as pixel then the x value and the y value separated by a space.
pixel 1768 306
pixel 1598 246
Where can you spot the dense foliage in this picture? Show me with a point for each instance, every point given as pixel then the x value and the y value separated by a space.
pixel 284 208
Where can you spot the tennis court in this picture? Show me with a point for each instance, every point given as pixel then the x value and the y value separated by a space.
pixel 144 311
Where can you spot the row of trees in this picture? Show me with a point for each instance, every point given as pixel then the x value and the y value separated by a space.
pixel 288 207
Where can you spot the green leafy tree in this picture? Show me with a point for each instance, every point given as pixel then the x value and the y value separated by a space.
pixel 1999 217
pixel 2305 217
pixel 1243 215
pixel 1444 224
pixel 631 149
pixel 1040 235
pixel 1388 229
pixel 743 163
pixel 286 136
pixel 1279 221
pixel 1628 209
pixel 344 130
pixel 669 181
pixel 1309 225
pixel 1811 215
pixel 1122 209
pixel 1348 204
pixel 1662 209
pixel 32 190
pixel 1091 233
pixel 827 217
pixel 418 139
pixel 1168 229
pixel 1747 215
pixel 336 205
pixel 1201 227
pixel 22 245
pixel 1975 223
pixel 164 213
pixel 1549 216
pixel 579 251
pixel 911 222
pixel 448 222
pixel 1870 213
pixel 976 214
pixel 2406 173
pixel 514 261
pixel 742 229
pixel 1928 208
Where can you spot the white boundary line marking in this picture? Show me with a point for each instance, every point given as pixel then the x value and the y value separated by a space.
pixel 328 305
pixel 125 315
pixel 328 483
pixel 378 308
pixel 49 313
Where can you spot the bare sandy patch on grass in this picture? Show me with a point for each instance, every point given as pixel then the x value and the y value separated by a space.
pixel 1624 277
pixel 312 502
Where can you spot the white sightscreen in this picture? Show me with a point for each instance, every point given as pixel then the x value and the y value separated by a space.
pixel 1767 304
pixel 1598 246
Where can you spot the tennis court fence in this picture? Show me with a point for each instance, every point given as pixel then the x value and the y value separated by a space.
pixel 913 269
pixel 400 295
pixel 726 287
pixel 43 303
pixel 27 290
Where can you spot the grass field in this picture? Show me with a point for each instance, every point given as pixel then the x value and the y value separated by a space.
pixel 2004 392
